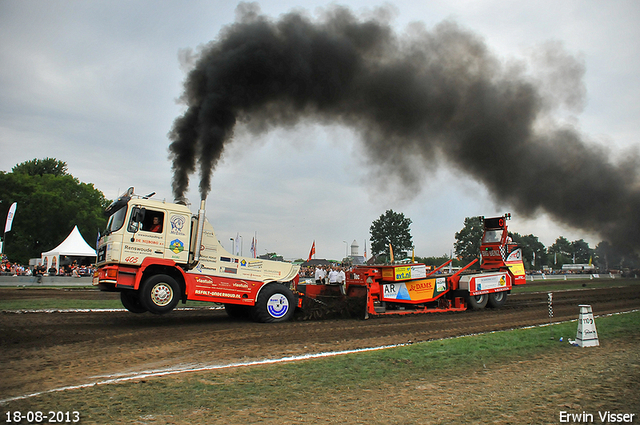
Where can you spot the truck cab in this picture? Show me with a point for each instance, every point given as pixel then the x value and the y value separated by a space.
pixel 498 251
pixel 142 229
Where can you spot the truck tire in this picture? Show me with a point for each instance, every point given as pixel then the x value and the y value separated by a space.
pixel 160 294
pixel 131 302
pixel 497 299
pixel 477 302
pixel 275 303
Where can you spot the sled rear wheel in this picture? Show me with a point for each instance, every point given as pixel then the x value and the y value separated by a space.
pixel 477 302
pixel 497 299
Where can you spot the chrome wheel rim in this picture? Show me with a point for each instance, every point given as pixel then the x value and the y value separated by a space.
pixel 161 294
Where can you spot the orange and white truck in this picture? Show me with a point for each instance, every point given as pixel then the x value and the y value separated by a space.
pixel 157 254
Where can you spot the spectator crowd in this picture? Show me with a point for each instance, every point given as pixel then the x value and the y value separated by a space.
pixel 328 275
pixel 14 269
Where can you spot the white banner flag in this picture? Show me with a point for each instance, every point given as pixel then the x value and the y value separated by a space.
pixel 12 212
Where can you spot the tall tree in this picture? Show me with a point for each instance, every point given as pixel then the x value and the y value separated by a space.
pixel 534 253
pixel 467 244
pixel 562 246
pixel 391 228
pixel 40 167
pixel 561 252
pixel 49 205
pixel 582 252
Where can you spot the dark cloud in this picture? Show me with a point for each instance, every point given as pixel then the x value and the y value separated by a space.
pixel 412 97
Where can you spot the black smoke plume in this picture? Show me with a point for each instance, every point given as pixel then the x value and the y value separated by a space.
pixel 420 94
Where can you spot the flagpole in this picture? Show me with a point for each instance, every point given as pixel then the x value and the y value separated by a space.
pixel 365 250
pixel 312 253
pixel 7 226
pixel 4 239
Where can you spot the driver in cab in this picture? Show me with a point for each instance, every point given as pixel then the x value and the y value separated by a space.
pixel 156 226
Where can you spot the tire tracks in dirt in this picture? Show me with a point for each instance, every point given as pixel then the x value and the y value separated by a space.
pixel 46 351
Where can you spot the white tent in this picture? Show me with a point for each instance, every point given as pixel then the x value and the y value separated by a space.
pixel 73 246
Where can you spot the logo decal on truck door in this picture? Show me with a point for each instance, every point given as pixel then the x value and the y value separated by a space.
pixel 176 246
pixel 177 223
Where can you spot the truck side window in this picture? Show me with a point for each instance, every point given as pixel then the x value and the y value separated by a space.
pixel 153 221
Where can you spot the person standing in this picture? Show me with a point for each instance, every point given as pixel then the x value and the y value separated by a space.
pixel 333 276
pixel 342 279
pixel 319 275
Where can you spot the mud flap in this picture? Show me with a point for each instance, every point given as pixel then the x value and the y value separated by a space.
pixel 366 306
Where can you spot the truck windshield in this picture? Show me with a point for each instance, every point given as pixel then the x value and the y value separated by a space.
pixel 492 236
pixel 116 220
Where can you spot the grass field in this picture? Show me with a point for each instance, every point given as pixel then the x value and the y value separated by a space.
pixel 518 376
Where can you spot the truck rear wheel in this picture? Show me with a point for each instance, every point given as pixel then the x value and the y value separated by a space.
pixel 160 294
pixel 131 302
pixel 275 303
pixel 477 302
pixel 497 299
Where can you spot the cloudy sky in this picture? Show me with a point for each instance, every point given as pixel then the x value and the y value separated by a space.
pixel 96 83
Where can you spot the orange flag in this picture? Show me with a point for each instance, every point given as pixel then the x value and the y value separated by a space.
pixel 313 251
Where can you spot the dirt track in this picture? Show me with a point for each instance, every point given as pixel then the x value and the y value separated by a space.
pixel 42 351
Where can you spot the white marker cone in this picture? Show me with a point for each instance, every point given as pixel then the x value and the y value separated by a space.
pixel 587 335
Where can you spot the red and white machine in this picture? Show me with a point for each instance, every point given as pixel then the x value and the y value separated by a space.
pixel 412 288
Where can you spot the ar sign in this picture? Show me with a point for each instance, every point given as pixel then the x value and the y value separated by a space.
pixel 391 290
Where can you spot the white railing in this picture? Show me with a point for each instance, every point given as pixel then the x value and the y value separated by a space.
pixel 534 277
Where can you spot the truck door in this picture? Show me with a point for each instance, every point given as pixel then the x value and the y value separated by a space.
pixel 178 233
pixel 145 235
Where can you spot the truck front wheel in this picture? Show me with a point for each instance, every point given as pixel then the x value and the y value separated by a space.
pixel 160 294
pixel 131 302
pixel 275 303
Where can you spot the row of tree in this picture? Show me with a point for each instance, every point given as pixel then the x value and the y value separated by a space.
pixel 50 202
pixel 393 229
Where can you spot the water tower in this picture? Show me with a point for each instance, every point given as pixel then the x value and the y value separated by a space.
pixel 354 248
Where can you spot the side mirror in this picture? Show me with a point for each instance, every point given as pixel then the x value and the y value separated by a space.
pixel 139 215
pixel 136 221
